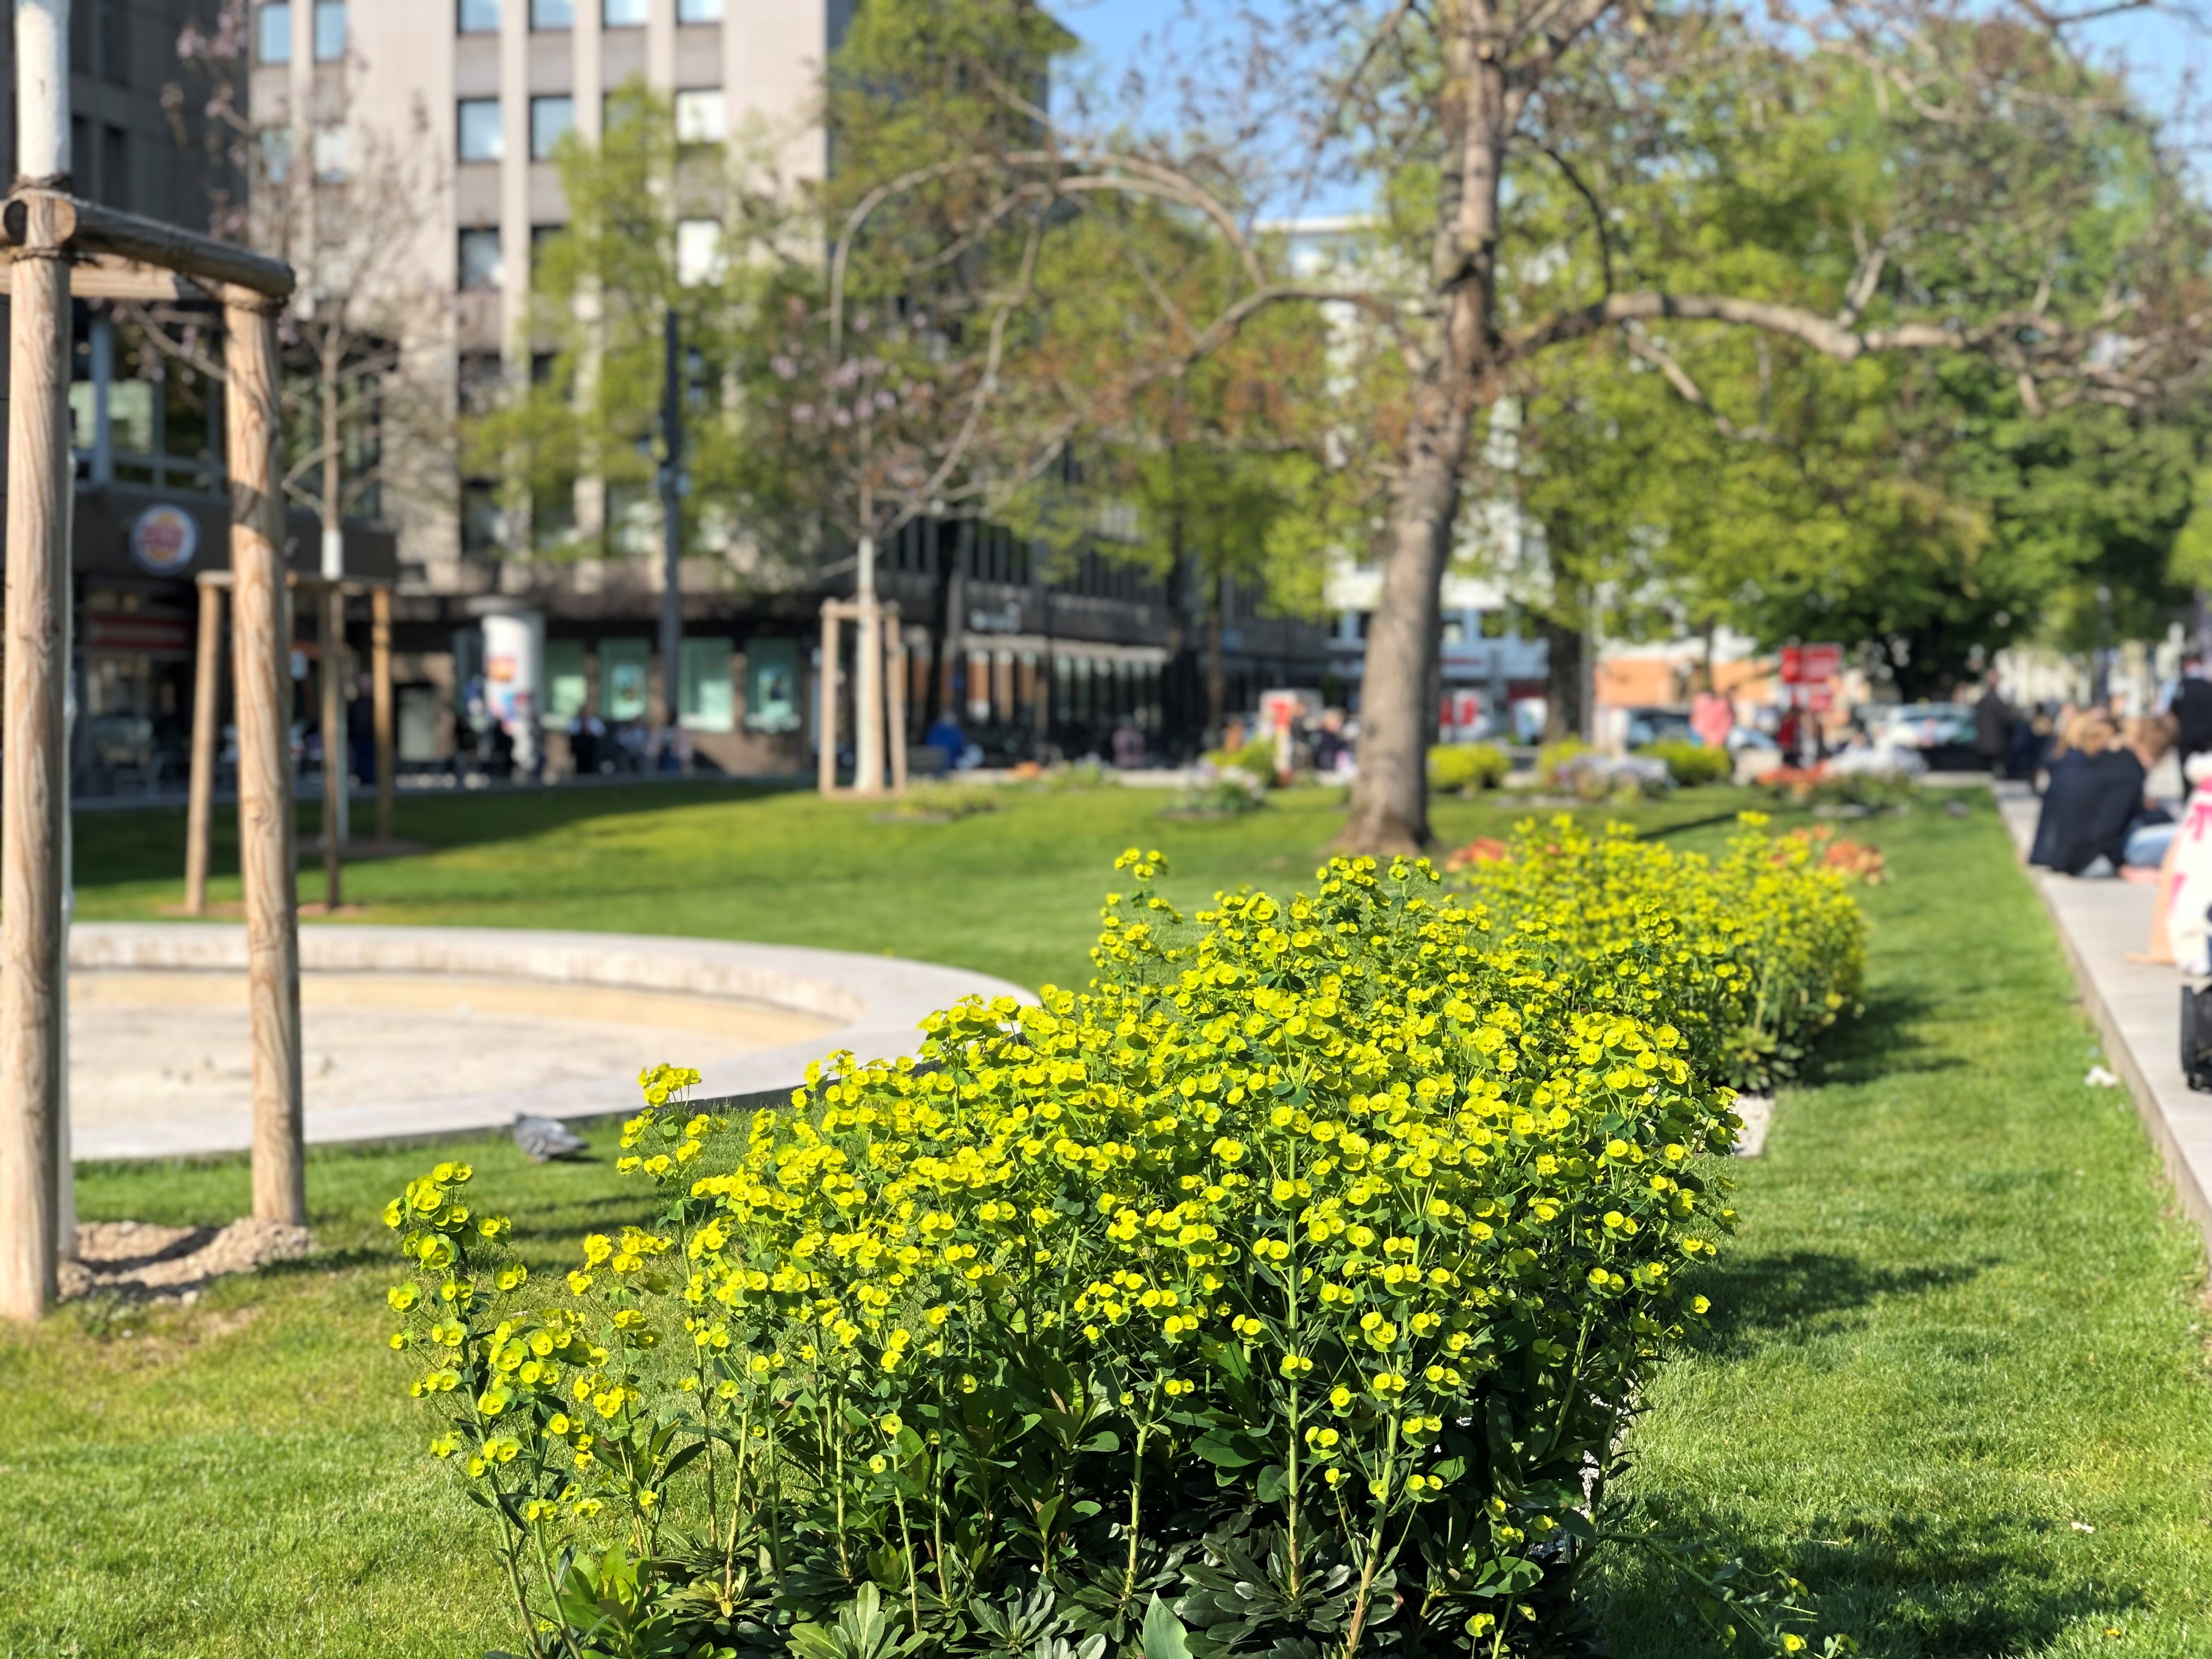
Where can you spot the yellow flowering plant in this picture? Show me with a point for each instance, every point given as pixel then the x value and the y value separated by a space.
pixel 1752 954
pixel 1286 1291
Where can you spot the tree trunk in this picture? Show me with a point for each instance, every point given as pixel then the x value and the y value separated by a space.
pixel 1216 679
pixel 948 548
pixel 1563 680
pixel 1390 798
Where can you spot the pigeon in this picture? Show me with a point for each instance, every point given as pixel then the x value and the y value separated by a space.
pixel 543 1138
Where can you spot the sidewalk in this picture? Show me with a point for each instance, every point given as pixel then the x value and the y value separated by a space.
pixel 2136 1007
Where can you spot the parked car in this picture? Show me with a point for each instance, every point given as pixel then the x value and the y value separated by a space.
pixel 1942 732
pixel 1660 724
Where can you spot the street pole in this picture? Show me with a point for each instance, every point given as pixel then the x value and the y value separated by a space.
pixel 671 525
pixel 40 476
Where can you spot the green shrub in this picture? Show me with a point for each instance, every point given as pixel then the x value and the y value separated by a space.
pixel 1257 758
pixel 1465 768
pixel 1228 796
pixel 1693 764
pixel 1752 954
pixel 1279 1294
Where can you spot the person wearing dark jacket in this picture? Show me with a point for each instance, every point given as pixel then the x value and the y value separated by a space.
pixel 2095 792
pixel 2193 706
pixel 1993 719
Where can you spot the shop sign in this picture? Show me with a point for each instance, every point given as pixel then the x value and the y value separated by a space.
pixel 163 540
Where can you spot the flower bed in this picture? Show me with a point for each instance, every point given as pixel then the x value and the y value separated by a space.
pixel 1751 956
pixel 1287 1291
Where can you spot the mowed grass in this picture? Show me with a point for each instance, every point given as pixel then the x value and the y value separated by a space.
pixel 1013 893
pixel 1956 1321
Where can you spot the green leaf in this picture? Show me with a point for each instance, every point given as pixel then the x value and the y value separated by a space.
pixel 1165 1636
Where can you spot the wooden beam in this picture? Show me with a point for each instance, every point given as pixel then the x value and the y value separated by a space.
pixel 261 658
pixel 89 227
pixel 380 652
pixel 32 1049
pixel 105 277
pixel 207 693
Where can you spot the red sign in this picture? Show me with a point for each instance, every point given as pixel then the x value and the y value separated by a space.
pixel 130 632
pixel 1811 664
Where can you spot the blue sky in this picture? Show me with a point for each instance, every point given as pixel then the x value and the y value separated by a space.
pixel 2162 51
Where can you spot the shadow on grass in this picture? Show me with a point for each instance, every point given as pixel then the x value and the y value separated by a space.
pixel 1883 1040
pixel 1899 1582
pixel 1758 1300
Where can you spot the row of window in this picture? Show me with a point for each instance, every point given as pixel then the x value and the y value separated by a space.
pixel 481 134
pixel 698 253
pixel 273 24
pixel 273 31
pixel 482 16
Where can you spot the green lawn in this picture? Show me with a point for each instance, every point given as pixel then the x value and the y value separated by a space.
pixel 1956 1321
pixel 1013 893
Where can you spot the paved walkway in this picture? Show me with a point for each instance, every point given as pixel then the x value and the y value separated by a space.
pixel 2136 1007
pixel 423 1031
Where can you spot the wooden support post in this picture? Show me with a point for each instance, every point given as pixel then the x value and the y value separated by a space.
pixel 826 698
pixel 331 626
pixel 894 673
pixel 206 696
pixel 41 474
pixel 380 652
pixel 868 681
pixel 261 655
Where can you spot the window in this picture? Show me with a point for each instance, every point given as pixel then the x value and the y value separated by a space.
pixel 329 30
pixel 564 681
pixel 479 16
pixel 482 382
pixel 698 251
pixel 273 34
pixel 552 13
pixel 772 685
pixel 480 264
pixel 698 11
pixel 332 152
pixel 550 120
pixel 541 239
pixel 115 167
pixel 622 678
pixel 699 115
pixel 623 14
pixel 704 692
pixel 275 153
pixel 483 526
pixel 482 137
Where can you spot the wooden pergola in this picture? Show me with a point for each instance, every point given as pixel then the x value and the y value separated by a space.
pixel 56 247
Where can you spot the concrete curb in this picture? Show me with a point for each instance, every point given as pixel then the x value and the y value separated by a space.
pixel 2135 1007
pixel 877 1002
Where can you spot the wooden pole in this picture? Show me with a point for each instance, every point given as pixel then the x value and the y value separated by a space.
pixel 42 473
pixel 331 625
pixel 868 682
pixel 894 677
pixel 207 694
pixel 826 697
pixel 261 656
pixel 380 651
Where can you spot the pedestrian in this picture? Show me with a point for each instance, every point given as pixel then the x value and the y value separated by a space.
pixel 1994 719
pixel 2190 704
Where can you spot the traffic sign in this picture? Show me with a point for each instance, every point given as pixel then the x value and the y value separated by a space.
pixel 1811 664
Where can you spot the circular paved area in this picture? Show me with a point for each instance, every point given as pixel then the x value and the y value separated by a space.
pixel 415 1030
